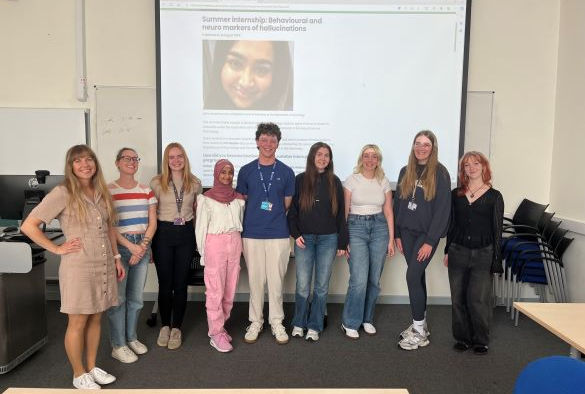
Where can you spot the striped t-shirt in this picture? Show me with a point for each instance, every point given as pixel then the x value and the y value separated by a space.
pixel 132 207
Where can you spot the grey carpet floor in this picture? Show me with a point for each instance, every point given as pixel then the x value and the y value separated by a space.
pixel 333 362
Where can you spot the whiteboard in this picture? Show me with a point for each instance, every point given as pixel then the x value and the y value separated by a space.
pixel 38 138
pixel 478 122
pixel 126 117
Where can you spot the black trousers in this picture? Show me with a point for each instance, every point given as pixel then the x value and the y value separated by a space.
pixel 415 273
pixel 173 248
pixel 470 279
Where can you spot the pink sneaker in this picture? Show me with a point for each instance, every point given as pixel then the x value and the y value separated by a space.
pixel 229 338
pixel 221 343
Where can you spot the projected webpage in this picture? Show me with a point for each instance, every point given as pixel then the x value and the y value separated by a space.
pixel 345 74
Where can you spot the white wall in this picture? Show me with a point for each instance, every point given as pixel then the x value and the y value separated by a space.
pixel 567 182
pixel 514 50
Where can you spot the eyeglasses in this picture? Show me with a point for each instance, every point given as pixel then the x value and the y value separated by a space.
pixel 128 159
pixel 423 145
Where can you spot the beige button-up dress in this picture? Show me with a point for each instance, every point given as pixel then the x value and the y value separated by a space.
pixel 87 279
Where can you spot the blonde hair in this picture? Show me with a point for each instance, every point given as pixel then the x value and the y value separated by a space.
pixel 379 173
pixel 76 197
pixel 189 180
pixel 428 177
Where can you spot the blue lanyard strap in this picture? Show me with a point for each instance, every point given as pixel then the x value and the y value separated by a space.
pixel 266 188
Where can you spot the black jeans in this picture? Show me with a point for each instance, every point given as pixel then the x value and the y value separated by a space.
pixel 415 273
pixel 172 250
pixel 471 291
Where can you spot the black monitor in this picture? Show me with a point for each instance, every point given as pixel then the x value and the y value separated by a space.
pixel 13 189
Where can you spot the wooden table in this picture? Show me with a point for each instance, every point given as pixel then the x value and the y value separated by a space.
pixel 566 321
pixel 215 391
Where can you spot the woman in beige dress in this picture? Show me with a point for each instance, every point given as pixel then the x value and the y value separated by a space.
pixel 90 262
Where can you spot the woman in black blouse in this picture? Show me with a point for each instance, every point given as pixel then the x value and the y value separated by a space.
pixel 472 252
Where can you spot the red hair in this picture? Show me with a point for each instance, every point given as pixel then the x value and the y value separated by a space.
pixel 486 173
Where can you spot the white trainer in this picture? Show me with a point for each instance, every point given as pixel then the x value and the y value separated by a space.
pixel 85 382
pixel 137 347
pixel 297 332
pixel 312 335
pixel 413 340
pixel 124 354
pixel 350 332
pixel 252 332
pixel 280 334
pixel 369 328
pixel 164 336
pixel 101 377
pixel 175 339
pixel 407 332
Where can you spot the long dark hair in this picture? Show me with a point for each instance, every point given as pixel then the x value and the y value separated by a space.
pixel 280 96
pixel 307 192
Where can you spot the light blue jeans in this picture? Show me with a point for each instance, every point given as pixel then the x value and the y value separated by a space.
pixel 124 317
pixel 319 253
pixel 368 243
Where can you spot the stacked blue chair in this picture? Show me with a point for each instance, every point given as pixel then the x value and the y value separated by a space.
pixel 529 219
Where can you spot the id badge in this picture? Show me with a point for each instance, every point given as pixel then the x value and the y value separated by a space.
pixel 266 206
pixel 412 205
pixel 179 222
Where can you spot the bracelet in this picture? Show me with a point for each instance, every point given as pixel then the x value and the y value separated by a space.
pixel 117 256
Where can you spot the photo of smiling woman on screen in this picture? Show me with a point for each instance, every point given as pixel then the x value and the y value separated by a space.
pixel 248 75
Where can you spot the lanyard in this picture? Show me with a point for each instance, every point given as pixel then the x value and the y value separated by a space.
pixel 266 188
pixel 417 183
pixel 178 197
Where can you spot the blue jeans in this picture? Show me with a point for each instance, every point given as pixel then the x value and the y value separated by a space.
pixel 124 317
pixel 319 253
pixel 368 243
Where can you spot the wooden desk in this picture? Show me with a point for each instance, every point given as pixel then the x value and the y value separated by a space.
pixel 216 391
pixel 566 321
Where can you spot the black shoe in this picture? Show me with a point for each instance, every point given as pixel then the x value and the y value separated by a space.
pixel 480 350
pixel 460 347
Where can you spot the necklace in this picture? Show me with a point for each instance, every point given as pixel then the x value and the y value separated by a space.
pixel 472 194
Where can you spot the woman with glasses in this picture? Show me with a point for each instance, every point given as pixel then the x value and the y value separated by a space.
pixel 422 204
pixel 472 252
pixel 90 261
pixel 368 207
pixel 136 208
pixel 173 245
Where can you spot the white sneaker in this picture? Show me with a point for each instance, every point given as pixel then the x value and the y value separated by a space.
pixel 252 332
pixel 312 335
pixel 407 332
pixel 350 333
pixel 137 347
pixel 101 377
pixel 369 328
pixel 413 340
pixel 124 354
pixel 297 332
pixel 163 336
pixel 85 382
pixel 175 339
pixel 280 334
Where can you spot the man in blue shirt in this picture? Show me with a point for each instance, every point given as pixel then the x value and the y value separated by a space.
pixel 268 185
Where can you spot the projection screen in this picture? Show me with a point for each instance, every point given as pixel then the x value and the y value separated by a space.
pixel 347 73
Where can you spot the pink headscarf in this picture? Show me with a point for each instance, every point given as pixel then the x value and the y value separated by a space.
pixel 220 192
